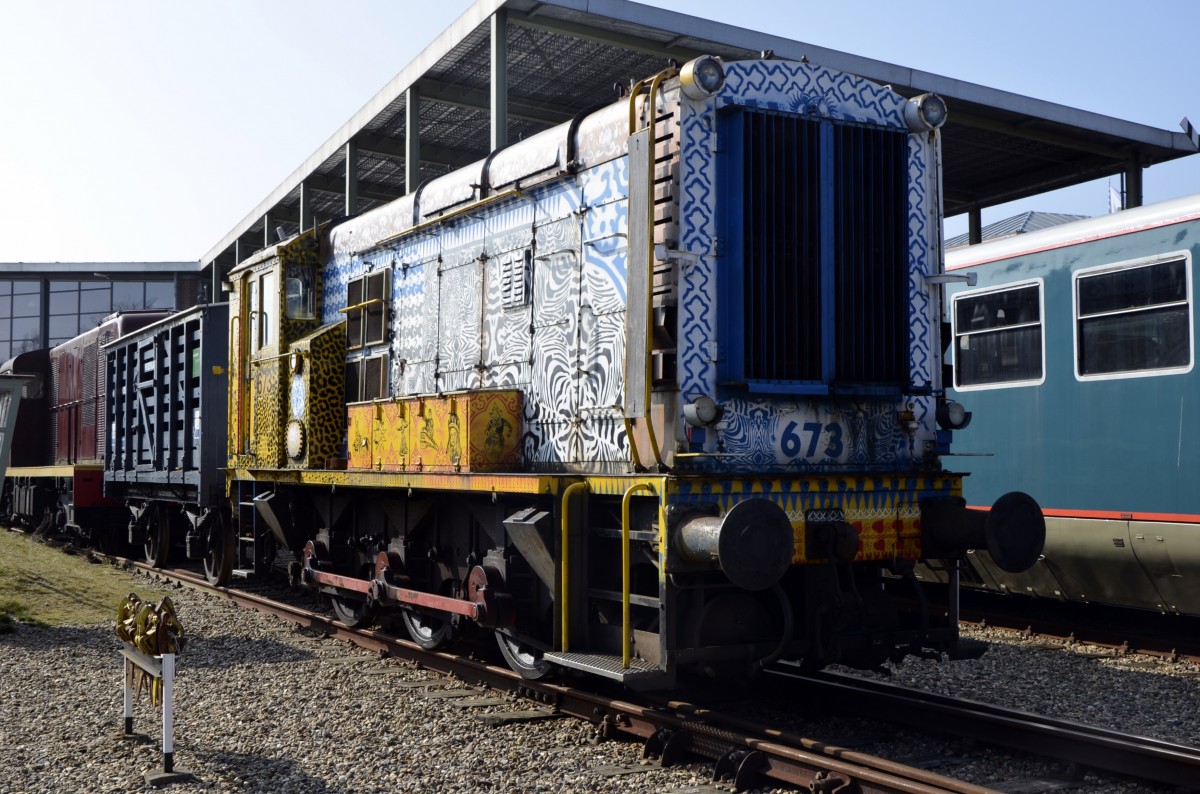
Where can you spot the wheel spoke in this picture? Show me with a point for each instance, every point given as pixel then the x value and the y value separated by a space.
pixel 524 659
pixel 429 632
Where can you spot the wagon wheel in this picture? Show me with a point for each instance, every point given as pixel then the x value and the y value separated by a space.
pixel 220 548
pixel 158 534
pixel 356 613
pixel 524 659
pixel 430 632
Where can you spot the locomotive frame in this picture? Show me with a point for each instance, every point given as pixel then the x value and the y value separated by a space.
pixel 522 397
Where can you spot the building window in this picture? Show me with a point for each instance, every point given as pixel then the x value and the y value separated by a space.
pixel 69 307
pixel 998 337
pixel 366 309
pixel 1134 319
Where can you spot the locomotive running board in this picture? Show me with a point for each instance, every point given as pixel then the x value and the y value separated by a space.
pixel 640 673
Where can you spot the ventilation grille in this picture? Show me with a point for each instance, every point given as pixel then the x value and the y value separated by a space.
pixel 782 256
pixel 825 252
pixel 871 255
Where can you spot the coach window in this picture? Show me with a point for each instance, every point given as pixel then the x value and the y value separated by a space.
pixel 367 309
pixel 1134 319
pixel 998 337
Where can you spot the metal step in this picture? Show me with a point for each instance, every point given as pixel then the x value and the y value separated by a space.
pixel 615 595
pixel 638 673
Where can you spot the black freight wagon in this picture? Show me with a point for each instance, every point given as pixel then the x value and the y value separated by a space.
pixel 167 404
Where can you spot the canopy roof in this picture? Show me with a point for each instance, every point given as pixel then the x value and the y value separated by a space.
pixel 564 56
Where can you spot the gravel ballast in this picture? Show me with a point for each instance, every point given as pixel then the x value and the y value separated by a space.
pixel 263 706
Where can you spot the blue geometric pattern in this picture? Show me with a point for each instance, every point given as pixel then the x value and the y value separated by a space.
pixel 759 432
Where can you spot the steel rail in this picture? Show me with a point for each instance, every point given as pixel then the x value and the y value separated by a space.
pixel 742 751
pixel 1141 757
pixel 1123 630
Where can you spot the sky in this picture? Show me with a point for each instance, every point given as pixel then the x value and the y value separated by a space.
pixel 142 130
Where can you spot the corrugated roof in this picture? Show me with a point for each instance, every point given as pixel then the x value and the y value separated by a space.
pixel 566 55
pixel 1018 224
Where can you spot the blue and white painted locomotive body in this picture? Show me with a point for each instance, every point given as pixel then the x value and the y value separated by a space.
pixel 514 274
pixel 652 393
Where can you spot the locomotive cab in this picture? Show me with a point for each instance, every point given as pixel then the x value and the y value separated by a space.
pixel 287 376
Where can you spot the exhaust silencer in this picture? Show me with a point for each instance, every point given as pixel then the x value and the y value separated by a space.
pixel 1013 531
pixel 752 543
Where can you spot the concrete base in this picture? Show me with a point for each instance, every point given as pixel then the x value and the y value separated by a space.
pixel 132 738
pixel 159 778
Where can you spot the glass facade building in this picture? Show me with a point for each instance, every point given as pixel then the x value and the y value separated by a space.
pixel 44 309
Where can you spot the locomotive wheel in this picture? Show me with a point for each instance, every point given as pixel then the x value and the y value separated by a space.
pixel 221 549
pixel 525 660
pixel 158 535
pixel 354 612
pixel 429 632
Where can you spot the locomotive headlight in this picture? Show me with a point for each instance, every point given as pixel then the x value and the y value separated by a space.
pixel 702 77
pixel 703 412
pixel 925 113
pixel 952 416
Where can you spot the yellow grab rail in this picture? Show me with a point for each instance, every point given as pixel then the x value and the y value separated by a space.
pixel 625 566
pixel 651 116
pixel 563 602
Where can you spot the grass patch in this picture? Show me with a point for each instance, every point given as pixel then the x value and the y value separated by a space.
pixel 40 585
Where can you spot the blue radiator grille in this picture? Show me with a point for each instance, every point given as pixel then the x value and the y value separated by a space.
pixel 824 252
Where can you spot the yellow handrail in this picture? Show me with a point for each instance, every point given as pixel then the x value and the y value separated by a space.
pixel 651 116
pixel 563 602
pixel 362 305
pixel 625 565
pixel 474 205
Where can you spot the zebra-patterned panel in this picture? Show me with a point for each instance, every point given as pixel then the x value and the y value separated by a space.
pixel 507 337
pixel 553 404
pixel 459 318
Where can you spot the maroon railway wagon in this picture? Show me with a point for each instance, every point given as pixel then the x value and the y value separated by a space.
pixel 55 480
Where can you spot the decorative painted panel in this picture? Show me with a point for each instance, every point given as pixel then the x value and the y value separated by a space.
pixel 474 431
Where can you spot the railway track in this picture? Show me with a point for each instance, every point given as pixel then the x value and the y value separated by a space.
pixel 747 754
pixel 744 755
pixel 1124 754
pixel 1170 637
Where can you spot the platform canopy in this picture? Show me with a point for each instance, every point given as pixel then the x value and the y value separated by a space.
pixel 507 69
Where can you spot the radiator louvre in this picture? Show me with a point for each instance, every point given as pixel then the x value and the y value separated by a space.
pixel 871 255
pixel 825 255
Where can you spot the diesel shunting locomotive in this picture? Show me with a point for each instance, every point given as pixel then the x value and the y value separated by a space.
pixel 654 393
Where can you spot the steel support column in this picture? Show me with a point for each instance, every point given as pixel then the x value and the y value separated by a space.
pixel 974 226
pixel 305 207
pixel 351 178
pixel 499 78
pixel 412 139
pixel 1133 185
pixel 266 230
